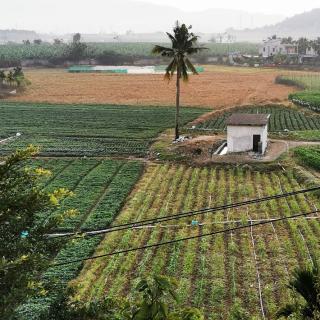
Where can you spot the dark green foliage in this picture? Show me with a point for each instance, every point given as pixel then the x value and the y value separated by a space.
pixel 309 156
pixel 67 130
pixel 305 286
pixel 281 119
pixel 308 99
pixel 23 247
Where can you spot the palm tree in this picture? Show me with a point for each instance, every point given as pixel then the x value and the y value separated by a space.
pixel 183 45
pixel 305 285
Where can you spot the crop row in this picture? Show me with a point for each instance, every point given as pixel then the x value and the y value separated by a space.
pixel 281 119
pixel 309 156
pixel 100 188
pixel 86 130
pixel 213 272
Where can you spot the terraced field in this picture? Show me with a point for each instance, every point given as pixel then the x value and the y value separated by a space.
pixel 86 130
pixel 281 119
pixel 100 188
pixel 252 264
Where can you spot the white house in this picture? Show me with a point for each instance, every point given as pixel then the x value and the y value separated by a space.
pixel 247 132
pixel 272 47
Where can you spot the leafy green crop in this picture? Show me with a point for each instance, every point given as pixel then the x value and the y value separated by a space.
pixel 309 156
pixel 281 119
pixel 86 130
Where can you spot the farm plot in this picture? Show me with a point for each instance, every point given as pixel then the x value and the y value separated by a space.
pixel 65 130
pixel 308 156
pixel 250 265
pixel 216 88
pixel 100 188
pixel 281 119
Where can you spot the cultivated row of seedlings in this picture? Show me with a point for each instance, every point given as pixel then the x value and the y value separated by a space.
pixel 100 189
pixel 252 265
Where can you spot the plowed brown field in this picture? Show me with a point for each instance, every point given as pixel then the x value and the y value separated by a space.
pixel 216 88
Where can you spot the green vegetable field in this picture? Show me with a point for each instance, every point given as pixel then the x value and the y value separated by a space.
pixel 281 119
pixel 86 130
pixel 308 99
pixel 100 189
pixel 310 83
pixel 252 265
pixel 309 156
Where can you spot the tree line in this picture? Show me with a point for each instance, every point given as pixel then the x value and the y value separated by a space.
pixel 303 44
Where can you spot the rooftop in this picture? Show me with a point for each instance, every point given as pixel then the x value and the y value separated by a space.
pixel 248 119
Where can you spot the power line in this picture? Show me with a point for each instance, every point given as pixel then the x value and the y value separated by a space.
pixel 183 239
pixel 177 216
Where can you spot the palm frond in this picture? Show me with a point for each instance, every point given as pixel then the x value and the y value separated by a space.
pixel 172 38
pixel 194 50
pixel 160 50
pixel 170 70
pixel 184 71
pixel 304 282
pixel 190 66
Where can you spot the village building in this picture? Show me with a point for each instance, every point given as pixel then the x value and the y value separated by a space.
pixel 247 132
pixel 272 47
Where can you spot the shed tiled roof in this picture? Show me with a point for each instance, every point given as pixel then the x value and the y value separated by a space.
pixel 248 119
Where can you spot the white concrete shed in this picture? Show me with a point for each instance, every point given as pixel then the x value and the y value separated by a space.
pixel 247 132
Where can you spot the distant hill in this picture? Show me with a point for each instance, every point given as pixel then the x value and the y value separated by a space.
pixel 119 16
pixel 306 24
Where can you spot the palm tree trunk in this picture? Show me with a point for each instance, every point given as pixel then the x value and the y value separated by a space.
pixel 177 104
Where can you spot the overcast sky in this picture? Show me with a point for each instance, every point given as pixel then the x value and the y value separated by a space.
pixel 284 7
pixel 93 16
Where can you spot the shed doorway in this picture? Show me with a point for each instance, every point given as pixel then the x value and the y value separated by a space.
pixel 256 140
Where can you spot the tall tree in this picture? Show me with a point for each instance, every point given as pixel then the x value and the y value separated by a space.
pixel 24 250
pixel 303 44
pixel 76 50
pixel 305 286
pixel 184 44
pixel 76 38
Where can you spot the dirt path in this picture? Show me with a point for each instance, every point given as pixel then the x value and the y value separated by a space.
pixel 205 143
pixel 215 88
